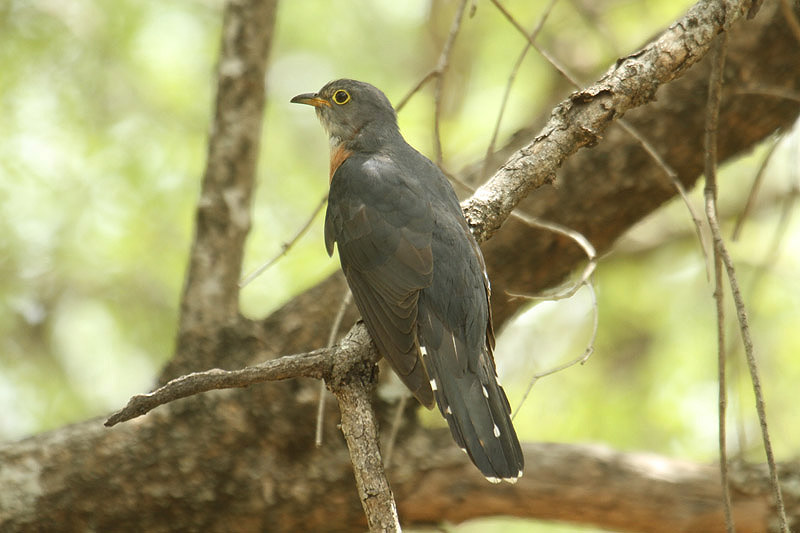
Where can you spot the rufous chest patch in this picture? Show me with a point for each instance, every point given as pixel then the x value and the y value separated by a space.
pixel 338 156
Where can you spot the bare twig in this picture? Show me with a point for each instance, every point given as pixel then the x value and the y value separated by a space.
pixel 578 360
pixel 441 68
pixel 511 77
pixel 787 208
pixel 710 193
pixel 722 395
pixel 414 90
pixel 722 256
pixel 775 92
pixel 285 247
pixel 751 197
pixel 316 364
pixel 559 229
pixel 552 60
pixel 744 330
pixel 576 236
pixel 673 177
pixel 438 71
pixel 397 420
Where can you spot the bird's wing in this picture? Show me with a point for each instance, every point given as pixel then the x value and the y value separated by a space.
pixel 383 230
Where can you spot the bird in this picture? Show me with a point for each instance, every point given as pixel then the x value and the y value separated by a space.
pixel 415 270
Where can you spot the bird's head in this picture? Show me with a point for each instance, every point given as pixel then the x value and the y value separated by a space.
pixel 354 113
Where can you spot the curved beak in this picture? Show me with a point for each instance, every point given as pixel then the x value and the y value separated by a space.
pixel 310 99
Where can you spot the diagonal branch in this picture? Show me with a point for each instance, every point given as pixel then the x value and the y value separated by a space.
pixel 581 119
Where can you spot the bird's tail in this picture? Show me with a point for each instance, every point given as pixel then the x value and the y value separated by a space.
pixel 473 403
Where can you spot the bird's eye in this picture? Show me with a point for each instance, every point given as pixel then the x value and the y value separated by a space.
pixel 341 97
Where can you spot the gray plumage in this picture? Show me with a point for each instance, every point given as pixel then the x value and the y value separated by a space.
pixel 416 272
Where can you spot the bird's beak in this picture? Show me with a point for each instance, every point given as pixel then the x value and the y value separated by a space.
pixel 310 99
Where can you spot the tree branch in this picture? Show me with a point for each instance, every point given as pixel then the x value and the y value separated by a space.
pixel 354 387
pixel 211 292
pixel 317 364
pixel 593 484
pixel 581 119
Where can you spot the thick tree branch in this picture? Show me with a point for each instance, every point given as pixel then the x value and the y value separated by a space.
pixel 354 387
pixel 613 490
pixel 211 291
pixel 593 484
pixel 432 481
pixel 581 119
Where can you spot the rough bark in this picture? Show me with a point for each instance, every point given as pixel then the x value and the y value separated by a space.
pixel 210 299
pixel 245 460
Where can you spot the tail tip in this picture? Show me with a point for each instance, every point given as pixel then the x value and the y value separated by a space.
pixel 511 480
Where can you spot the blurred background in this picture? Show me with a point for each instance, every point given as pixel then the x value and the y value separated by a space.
pixel 104 113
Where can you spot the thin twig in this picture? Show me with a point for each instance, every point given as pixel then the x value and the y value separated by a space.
pixel 752 365
pixel 754 188
pixel 337 324
pixel 721 255
pixel 511 77
pixel 441 68
pixel 554 227
pixel 576 236
pixel 578 360
pixel 722 395
pixel 552 60
pixel 396 422
pixel 414 90
pixel 776 92
pixel 710 193
pixel 673 177
pixel 286 246
pixel 441 64
pixel 767 261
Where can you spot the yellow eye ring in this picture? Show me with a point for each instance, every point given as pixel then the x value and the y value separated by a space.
pixel 341 97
